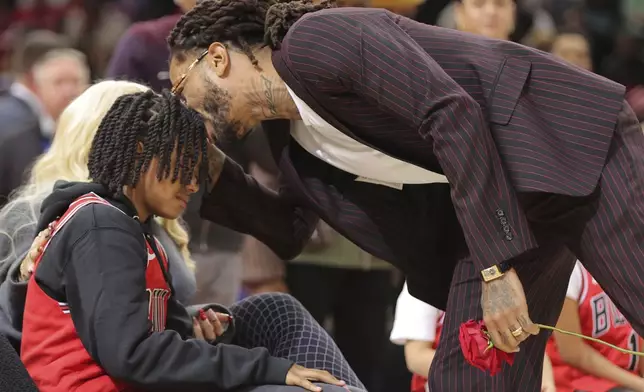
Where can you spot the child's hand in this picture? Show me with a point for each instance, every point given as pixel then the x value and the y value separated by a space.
pixel 210 325
pixel 303 377
pixel 27 264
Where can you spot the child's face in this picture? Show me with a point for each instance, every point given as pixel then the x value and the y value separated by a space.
pixel 165 198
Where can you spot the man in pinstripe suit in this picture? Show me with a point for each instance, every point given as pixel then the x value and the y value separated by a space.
pixel 457 158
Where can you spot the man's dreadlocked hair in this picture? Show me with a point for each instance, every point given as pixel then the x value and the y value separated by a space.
pixel 163 125
pixel 244 23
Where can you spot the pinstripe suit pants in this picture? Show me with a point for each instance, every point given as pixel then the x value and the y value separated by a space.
pixel 609 241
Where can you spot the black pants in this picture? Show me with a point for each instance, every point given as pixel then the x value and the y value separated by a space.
pixel 358 301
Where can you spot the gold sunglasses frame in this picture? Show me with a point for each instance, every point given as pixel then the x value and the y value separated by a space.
pixel 176 89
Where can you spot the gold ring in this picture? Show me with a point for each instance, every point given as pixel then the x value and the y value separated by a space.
pixel 517 332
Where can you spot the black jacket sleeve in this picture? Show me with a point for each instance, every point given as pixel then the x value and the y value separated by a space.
pixel 104 280
pixel 178 319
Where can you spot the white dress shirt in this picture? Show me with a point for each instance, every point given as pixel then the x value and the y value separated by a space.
pixel 329 144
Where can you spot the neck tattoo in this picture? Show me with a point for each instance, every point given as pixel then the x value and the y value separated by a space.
pixel 269 95
pixel 268 98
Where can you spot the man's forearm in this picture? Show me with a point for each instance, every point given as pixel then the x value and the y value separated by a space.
pixel 238 202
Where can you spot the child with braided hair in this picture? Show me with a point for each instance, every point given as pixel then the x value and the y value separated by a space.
pixel 100 313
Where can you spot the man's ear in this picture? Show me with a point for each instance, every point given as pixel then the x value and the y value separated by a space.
pixel 139 148
pixel 218 58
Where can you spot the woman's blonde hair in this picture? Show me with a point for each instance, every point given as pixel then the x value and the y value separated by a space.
pixel 67 157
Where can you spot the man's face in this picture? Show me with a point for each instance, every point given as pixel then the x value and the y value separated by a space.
pixel 489 18
pixel 574 49
pixel 221 100
pixel 58 81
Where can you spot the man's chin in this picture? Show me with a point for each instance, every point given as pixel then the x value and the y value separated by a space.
pixel 242 132
pixel 228 133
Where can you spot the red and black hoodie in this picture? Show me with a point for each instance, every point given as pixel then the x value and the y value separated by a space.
pixel 100 315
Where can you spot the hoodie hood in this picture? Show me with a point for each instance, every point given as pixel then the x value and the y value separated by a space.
pixel 62 196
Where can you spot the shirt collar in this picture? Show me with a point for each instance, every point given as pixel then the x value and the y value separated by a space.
pixel 47 123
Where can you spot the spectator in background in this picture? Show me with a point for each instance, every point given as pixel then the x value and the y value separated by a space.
pixel 572 46
pixel 491 18
pixel 18 17
pixel 142 56
pixel 48 76
pixel 142 53
pixel 588 366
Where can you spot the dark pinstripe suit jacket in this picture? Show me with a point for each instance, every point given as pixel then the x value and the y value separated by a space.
pixel 495 117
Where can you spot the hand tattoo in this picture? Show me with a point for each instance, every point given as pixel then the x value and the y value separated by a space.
pixel 271 96
pixel 498 296
pixel 523 320
pixel 504 338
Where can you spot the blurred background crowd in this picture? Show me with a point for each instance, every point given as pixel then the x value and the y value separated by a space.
pixel 51 50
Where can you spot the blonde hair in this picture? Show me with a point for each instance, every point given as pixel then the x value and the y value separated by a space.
pixel 67 160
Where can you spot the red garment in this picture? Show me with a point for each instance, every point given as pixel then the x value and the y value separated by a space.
pixel 51 349
pixel 600 319
pixel 418 382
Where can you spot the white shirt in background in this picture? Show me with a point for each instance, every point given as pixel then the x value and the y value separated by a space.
pixel 576 285
pixel 414 319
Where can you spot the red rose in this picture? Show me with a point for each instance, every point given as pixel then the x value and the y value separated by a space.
pixel 478 349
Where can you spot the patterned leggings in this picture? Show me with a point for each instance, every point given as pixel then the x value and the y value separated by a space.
pixel 282 325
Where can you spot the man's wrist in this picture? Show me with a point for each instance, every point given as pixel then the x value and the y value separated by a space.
pixel 495 272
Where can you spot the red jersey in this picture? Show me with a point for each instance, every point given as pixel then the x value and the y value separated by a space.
pixel 51 349
pixel 600 319
pixel 419 383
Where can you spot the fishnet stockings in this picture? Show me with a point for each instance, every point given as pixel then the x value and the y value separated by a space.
pixel 282 325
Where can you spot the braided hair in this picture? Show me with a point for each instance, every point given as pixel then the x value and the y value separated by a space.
pixel 163 125
pixel 243 23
